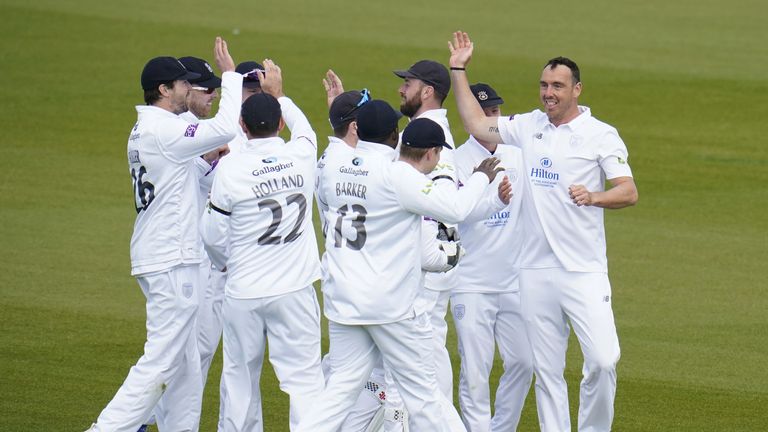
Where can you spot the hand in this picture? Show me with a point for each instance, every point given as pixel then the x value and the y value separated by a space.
pixel 221 55
pixel 505 190
pixel 216 154
pixel 333 86
pixel 271 79
pixel 461 50
pixel 580 195
pixel 489 167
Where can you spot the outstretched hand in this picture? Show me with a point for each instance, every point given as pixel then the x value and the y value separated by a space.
pixel 490 167
pixel 333 86
pixel 271 79
pixel 461 49
pixel 221 55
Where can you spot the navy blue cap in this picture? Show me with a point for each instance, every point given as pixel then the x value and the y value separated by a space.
pixel 197 65
pixel 247 70
pixel 164 69
pixel 345 107
pixel 486 95
pixel 261 112
pixel 376 119
pixel 424 133
pixel 431 72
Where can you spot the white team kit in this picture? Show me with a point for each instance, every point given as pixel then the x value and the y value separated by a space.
pixel 564 266
pixel 486 301
pixel 438 285
pixel 372 218
pixel 259 226
pixel 165 257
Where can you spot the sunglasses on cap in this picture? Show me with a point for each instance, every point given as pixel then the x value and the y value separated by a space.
pixel 365 98
pixel 205 90
pixel 253 75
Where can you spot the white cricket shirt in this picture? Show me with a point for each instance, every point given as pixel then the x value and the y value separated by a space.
pixel 445 171
pixel 372 236
pixel 493 244
pixel 162 148
pixel 584 151
pixel 259 220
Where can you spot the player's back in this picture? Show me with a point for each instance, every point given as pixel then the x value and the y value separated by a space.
pixel 372 253
pixel 273 249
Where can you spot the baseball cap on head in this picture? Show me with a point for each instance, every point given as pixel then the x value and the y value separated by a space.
pixel 424 133
pixel 486 95
pixel 164 69
pixel 207 77
pixel 248 70
pixel 376 119
pixel 261 112
pixel 431 72
pixel 345 106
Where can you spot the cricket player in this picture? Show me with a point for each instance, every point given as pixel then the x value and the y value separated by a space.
pixel 370 412
pixel 259 227
pixel 374 270
pixel 166 249
pixel 425 86
pixel 209 325
pixel 486 300
pixel 567 155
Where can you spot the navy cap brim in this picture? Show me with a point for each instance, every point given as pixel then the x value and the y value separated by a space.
pixel 405 74
pixel 491 102
pixel 188 76
pixel 213 82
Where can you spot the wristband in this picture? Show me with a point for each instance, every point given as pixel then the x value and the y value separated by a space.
pixel 458 68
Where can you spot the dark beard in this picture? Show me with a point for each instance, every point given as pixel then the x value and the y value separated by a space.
pixel 410 108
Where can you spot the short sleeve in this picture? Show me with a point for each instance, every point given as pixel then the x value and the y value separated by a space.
pixel 613 156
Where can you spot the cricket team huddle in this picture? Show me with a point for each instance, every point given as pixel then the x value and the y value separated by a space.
pixel 504 231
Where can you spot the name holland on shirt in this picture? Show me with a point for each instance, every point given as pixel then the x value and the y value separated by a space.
pixel 277 184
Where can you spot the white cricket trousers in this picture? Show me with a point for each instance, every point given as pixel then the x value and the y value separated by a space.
pixel 290 324
pixel 170 366
pixel 210 322
pixel 484 321
pixel 551 298
pixel 406 348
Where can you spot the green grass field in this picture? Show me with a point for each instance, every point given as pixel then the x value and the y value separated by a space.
pixel 684 82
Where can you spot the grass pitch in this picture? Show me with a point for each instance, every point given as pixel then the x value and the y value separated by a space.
pixel 682 81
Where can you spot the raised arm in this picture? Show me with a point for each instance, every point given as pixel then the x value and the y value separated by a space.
pixel 182 140
pixel 472 116
pixel 272 82
pixel 333 86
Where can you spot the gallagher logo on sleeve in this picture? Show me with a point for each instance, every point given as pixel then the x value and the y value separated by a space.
pixel 191 129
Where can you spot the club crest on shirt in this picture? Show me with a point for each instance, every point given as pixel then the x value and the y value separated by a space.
pixel 191 129
pixel 458 311
pixel 576 141
pixel 512 174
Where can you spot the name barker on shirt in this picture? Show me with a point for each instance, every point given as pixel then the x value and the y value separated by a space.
pixel 353 189
pixel 276 184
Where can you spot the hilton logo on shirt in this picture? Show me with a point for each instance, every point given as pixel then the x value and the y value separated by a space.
pixel 544 176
